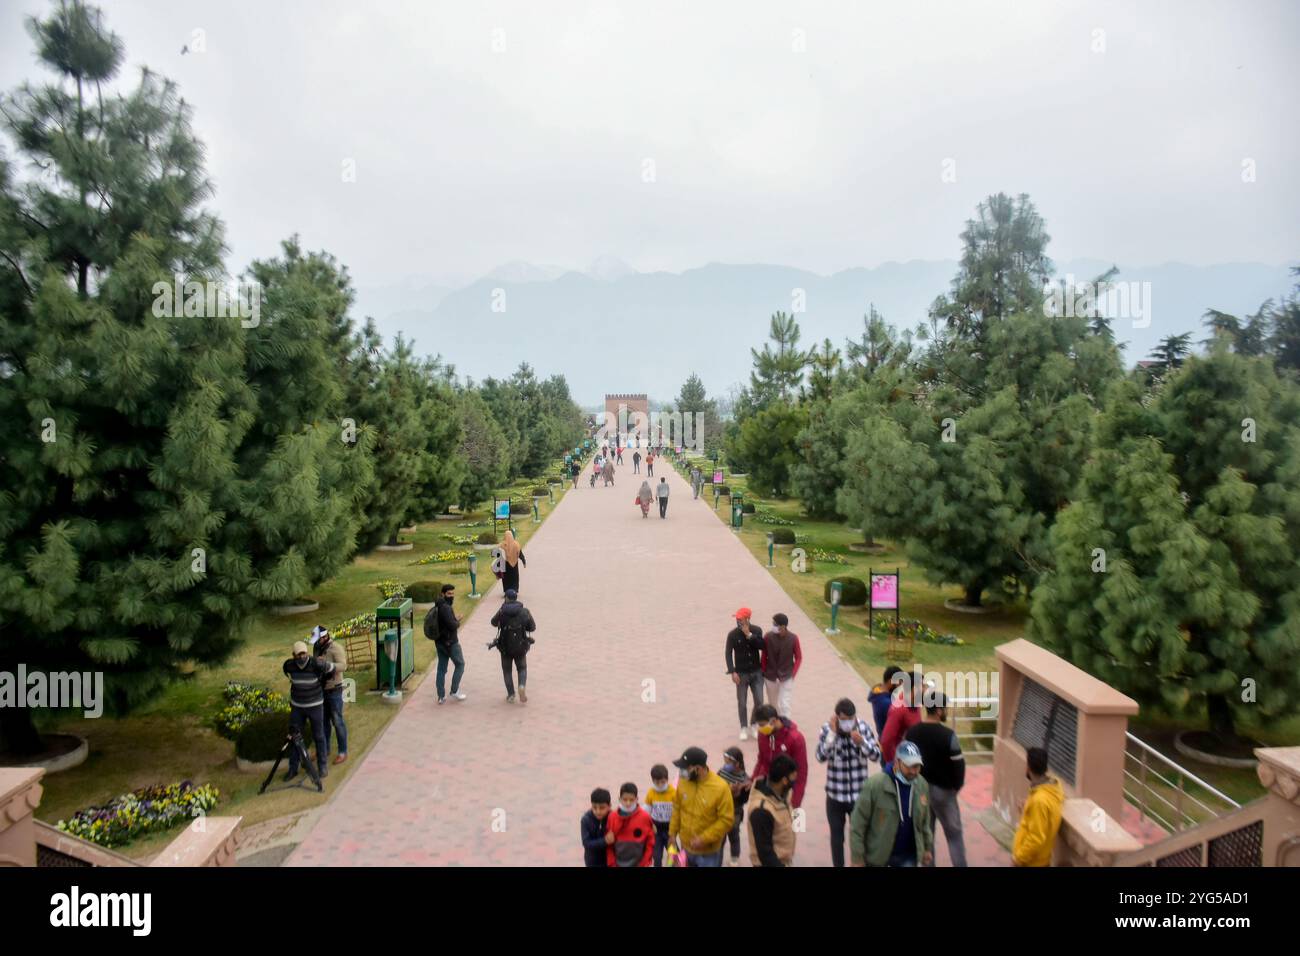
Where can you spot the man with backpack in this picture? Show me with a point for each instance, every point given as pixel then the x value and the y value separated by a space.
pixel 441 625
pixel 514 624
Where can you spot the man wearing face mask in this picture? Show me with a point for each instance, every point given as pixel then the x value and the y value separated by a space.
pixel 307 702
pixel 744 665
pixel 779 735
pixel 782 657
pixel 891 820
pixel 703 811
pixel 846 745
pixel 771 818
pixel 630 833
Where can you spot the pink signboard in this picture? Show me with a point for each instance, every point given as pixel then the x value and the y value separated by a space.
pixel 717 477
pixel 884 592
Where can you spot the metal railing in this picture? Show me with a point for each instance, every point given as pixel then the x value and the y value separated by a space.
pixel 1172 803
pixel 967 710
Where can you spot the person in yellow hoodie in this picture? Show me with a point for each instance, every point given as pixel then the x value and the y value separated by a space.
pixel 703 811
pixel 1041 818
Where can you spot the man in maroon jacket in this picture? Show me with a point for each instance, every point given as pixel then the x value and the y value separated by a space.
pixel 782 657
pixel 779 735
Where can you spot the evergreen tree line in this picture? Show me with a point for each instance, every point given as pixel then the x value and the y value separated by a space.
pixel 1151 515
pixel 164 476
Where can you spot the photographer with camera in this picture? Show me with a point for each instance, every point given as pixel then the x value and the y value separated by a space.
pixel 514 624
pixel 324 648
pixel 307 702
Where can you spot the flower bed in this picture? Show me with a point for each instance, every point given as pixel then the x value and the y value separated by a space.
pixel 459 538
pixel 911 628
pixel 390 588
pixel 361 624
pixel 826 557
pixel 443 557
pixel 767 517
pixel 243 703
pixel 147 810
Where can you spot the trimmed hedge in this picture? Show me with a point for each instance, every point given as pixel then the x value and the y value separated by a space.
pixel 424 592
pixel 486 537
pixel 540 492
pixel 263 736
pixel 722 490
pixel 854 593
pixel 782 536
pixel 747 508
pixel 521 508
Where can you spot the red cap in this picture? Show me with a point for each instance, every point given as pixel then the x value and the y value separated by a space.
pixel 743 612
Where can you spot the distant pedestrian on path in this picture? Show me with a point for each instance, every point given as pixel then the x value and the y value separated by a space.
pixel 847 744
pixel 595 850
pixel 650 463
pixel 745 666
pixel 514 623
pixel 782 658
pixel 771 818
pixel 1041 819
pixel 702 812
pixel 514 555
pixel 662 492
pixel 780 735
pixel 636 463
pixel 733 771
pixel 576 470
pixel 891 821
pixel 620 454
pixel 608 472
pixel 944 767
pixel 444 623
pixel 697 481
pixel 644 497
pixel 659 801
pixel 629 833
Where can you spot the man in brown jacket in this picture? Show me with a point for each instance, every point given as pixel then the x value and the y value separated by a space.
pixel 782 657
pixel 325 647
pixel 770 819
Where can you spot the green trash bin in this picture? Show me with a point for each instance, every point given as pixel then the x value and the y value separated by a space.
pixel 394 618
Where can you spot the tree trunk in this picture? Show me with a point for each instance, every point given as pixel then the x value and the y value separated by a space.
pixel 17 732
pixel 1220 714
pixel 392 538
pixel 973 594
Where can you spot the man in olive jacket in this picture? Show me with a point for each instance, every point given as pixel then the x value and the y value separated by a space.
pixel 891 820
pixel 703 811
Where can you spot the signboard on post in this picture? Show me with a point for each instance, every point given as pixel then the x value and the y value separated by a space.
pixel 717 477
pixel 500 512
pixel 884 597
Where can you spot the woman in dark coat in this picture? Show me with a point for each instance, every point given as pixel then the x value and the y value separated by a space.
pixel 514 556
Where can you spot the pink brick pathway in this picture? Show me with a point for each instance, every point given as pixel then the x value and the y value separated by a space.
pixel 628 671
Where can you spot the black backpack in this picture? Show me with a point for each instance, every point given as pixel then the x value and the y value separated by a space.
pixel 513 637
pixel 431 622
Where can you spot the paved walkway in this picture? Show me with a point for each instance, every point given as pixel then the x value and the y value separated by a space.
pixel 627 672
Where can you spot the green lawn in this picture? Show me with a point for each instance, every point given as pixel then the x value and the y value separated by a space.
pixel 171 739
pixel 924 601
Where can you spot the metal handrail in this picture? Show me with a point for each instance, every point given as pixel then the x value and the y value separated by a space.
pixel 1147 791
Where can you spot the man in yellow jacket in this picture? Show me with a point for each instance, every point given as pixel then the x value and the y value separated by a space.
pixel 1041 818
pixel 703 811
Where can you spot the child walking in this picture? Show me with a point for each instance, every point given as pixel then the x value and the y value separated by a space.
pixel 733 771
pixel 659 801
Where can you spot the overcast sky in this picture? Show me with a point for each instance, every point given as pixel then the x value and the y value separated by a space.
pixel 810 134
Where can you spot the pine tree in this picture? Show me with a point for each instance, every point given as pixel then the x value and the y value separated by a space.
pixel 778 372
pixel 483 448
pixel 1193 502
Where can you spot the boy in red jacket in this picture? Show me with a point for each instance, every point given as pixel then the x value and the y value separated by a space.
pixel 630 833
pixel 779 735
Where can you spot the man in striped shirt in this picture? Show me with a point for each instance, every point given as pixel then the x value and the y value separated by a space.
pixel 307 702
pixel 846 745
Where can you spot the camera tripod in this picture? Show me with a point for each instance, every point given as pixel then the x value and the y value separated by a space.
pixel 293 739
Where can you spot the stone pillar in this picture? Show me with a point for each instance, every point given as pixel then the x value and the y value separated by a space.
pixel 20 795
pixel 208 841
pixel 1279 771
pixel 1103 714
pixel 1089 836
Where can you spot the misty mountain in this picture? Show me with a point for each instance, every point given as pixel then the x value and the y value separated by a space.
pixel 622 330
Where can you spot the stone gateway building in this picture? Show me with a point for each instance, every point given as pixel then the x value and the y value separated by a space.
pixel 633 403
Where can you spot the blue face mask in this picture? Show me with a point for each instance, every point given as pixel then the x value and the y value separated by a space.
pixel 901 777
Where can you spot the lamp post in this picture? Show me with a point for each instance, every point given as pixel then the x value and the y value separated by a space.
pixel 771 546
pixel 473 576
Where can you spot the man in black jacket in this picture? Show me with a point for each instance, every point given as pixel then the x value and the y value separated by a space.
pixel 307 702
pixel 448 645
pixel 744 649
pixel 944 769
pixel 515 623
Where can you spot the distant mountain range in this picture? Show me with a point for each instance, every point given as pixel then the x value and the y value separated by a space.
pixel 610 328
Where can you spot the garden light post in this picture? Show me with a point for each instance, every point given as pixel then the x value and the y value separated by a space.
pixel 837 589
pixel 473 576
pixel 771 547
pixel 536 517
